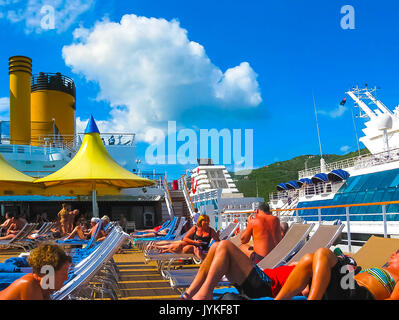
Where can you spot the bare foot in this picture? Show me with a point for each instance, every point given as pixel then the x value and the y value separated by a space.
pixel 185 296
pixel 201 297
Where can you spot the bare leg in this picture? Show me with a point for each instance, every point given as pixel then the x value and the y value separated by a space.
pixel 247 249
pixel 225 259
pixel 316 267
pixel 298 279
pixel 202 271
pixel 77 231
pixel 323 261
pixel 7 237
pixel 188 249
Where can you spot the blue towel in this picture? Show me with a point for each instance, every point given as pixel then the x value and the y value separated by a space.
pixel 13 265
pixel 217 293
pixel 8 268
pixel 72 241
pixel 18 261
pixel 7 278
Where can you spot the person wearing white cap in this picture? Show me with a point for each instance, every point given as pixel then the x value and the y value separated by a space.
pixel 80 232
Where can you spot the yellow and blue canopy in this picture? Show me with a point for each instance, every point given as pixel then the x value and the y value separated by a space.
pixel 92 168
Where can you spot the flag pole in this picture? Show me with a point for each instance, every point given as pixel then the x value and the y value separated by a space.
pixel 322 163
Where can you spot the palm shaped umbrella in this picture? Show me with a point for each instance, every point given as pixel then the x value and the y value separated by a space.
pixel 92 170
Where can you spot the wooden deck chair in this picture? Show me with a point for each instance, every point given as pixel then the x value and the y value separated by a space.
pixel 228 232
pixel 289 245
pixel 324 237
pixel 375 252
pixel 237 238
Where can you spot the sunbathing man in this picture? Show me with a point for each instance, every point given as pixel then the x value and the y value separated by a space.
pixel 326 272
pixel 36 285
pixel 14 228
pixel 6 224
pixel 224 258
pixel 172 246
pixel 105 228
pixel 265 230
pixel 151 234
pixel 80 231
pixel 156 229
pixel 198 238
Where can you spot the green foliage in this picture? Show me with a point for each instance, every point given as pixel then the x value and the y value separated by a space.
pixel 263 181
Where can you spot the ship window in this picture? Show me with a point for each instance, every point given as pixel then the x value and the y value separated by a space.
pixel 216 179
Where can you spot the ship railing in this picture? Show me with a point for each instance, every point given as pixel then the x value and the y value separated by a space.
pixel 323 188
pixel 209 195
pixel 73 142
pixel 26 149
pixel 347 218
pixel 240 217
pixel 116 139
pixel 239 204
pixel 358 162
pixel 284 195
pixel 168 198
pixel 186 194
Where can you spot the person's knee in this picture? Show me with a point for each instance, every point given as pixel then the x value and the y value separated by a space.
pixel 225 246
pixel 322 252
pixel 307 260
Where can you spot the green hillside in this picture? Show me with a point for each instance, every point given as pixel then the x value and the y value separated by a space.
pixel 263 181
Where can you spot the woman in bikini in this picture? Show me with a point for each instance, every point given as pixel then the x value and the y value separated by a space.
pixel 198 238
pixel 329 280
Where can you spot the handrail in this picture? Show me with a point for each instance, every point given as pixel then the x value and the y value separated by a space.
pixel 342 206
pixel 167 190
pixel 168 199
pixel 356 161
pixel 346 215
pixel 188 194
pixel 325 207
pixel 239 212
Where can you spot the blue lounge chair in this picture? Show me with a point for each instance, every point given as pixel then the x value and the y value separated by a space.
pixel 80 242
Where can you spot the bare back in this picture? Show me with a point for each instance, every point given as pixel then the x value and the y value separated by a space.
pixel 265 231
pixel 25 288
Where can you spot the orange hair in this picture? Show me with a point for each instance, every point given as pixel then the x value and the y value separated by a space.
pixel 202 218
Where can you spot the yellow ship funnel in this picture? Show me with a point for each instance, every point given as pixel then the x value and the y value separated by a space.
pixel 20 71
pixel 52 109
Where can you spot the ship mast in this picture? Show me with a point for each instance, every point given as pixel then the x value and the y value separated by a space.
pixel 322 161
pixel 357 95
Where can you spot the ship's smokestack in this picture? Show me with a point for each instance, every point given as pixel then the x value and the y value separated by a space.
pixel 20 71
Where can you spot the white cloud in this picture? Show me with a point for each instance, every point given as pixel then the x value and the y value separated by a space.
pixel 150 72
pixel 345 149
pixel 335 113
pixel 4 109
pixel 35 13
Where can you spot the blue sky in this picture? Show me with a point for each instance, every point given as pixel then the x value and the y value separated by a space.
pixel 212 64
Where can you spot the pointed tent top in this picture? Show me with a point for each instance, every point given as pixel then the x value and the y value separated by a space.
pixel 92 126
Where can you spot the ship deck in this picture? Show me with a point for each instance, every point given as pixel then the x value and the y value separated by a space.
pixel 138 280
